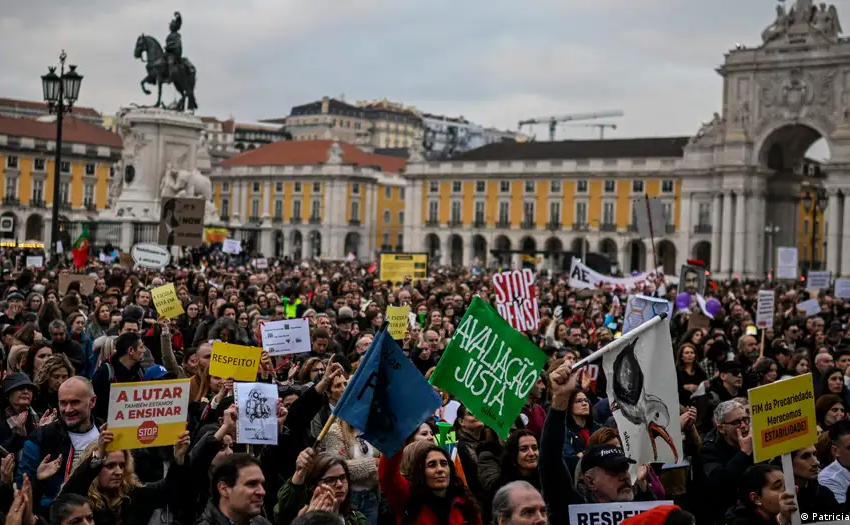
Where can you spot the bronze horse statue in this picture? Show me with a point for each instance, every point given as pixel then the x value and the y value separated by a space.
pixel 148 48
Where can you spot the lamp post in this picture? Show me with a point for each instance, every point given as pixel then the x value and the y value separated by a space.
pixel 60 93
pixel 815 204
pixel 769 231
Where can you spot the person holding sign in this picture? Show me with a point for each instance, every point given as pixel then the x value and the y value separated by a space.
pixel 106 477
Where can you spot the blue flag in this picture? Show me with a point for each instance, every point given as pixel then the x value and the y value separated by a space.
pixel 387 398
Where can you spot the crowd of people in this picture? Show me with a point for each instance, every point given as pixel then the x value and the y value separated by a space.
pixel 64 349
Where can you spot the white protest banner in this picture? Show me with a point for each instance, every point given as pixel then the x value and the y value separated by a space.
pixel 810 307
pixel 516 299
pixel 640 309
pixel 842 288
pixel 786 265
pixel 148 414
pixel 582 277
pixel 261 264
pixel 765 309
pixel 291 336
pixel 35 261
pixel 257 423
pixel 610 513
pixel 818 280
pixel 644 396
pixel 232 246
pixel 151 256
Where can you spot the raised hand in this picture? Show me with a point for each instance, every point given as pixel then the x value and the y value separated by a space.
pixel 334 370
pixel 103 440
pixel 47 468
pixel 7 469
pixel 563 382
pixel 182 447
pixel 48 417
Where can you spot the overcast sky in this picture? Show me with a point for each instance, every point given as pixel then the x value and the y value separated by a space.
pixel 493 61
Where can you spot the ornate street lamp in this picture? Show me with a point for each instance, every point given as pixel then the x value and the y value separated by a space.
pixel 60 93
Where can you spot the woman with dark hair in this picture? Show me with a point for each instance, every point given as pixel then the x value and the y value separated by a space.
pixel 35 357
pixel 688 371
pixel 829 409
pixel 433 494
pixel 319 483
pixel 832 382
pixel 580 425
pixel 518 462
pixel 762 498
pixel 470 434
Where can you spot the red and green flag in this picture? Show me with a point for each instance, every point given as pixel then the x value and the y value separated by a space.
pixel 80 249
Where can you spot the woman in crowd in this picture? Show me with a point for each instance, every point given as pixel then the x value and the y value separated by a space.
pixel 39 352
pixel 580 425
pixel 832 382
pixel 55 370
pixel 688 371
pixel 518 462
pixel 762 498
pixel 346 442
pixel 829 408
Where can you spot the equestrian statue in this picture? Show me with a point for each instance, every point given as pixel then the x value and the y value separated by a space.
pixel 168 67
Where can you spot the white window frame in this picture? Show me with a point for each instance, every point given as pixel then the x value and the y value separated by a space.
pixel 586 185
pixel 577 217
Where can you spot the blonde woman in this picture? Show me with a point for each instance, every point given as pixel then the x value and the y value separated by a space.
pixel 345 442
pixel 55 370
pixel 109 481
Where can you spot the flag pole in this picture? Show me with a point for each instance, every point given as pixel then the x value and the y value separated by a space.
pixel 618 343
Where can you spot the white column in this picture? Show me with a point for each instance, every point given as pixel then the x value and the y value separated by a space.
pixel 238 200
pixel 740 234
pixel 467 250
pixel 267 193
pixel 833 238
pixel 727 235
pixel 755 231
pixel 715 233
pixel 845 232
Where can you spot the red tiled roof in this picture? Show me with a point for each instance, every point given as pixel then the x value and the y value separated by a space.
pixel 74 130
pixel 41 106
pixel 311 152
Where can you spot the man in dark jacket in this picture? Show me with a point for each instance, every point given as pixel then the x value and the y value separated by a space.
pixel 812 497
pixel 723 387
pixel 237 493
pixel 64 441
pixel 123 367
pixel 727 451
pixel 62 344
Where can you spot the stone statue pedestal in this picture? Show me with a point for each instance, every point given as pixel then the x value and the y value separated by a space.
pixel 154 139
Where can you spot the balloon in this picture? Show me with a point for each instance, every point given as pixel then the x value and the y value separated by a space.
pixel 712 306
pixel 683 301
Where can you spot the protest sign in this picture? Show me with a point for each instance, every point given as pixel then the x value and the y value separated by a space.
pixel 261 263
pixel 640 309
pixel 387 398
pixel 181 222
pixel 232 246
pixel 286 337
pixel 489 367
pixel 151 256
pixel 644 394
pixel 236 361
pixel 582 277
pixel 87 282
pixel 394 267
pixel 809 307
pixel 35 261
pixel 842 288
pixel 166 302
pixel 516 299
pixel 783 415
pixel 148 414
pixel 818 280
pixel 765 308
pixel 786 262
pixel 257 422
pixel 397 316
pixel 610 513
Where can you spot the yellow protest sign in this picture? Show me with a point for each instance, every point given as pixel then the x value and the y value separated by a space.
pixel 783 417
pixel 166 302
pixel 148 414
pixel 394 267
pixel 236 361
pixel 397 316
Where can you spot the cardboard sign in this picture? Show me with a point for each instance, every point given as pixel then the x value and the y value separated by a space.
pixel 516 299
pixel 818 280
pixel 181 222
pixel 699 321
pixel 257 422
pixel 236 361
pixel 610 513
pixel 232 246
pixel 291 336
pixel 397 316
pixel 783 417
pixel 86 283
pixel 765 309
pixel 166 302
pixel 394 267
pixel 148 414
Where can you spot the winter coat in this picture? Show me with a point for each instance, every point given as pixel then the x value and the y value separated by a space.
pixel 723 466
pixel 213 516
pixel 292 498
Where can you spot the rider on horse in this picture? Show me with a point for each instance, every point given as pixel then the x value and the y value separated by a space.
pixel 174 47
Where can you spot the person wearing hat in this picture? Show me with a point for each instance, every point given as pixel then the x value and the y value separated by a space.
pixel 13 314
pixel 21 419
pixel 343 337
pixel 725 386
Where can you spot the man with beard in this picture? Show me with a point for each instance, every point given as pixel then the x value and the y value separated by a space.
pixel 63 443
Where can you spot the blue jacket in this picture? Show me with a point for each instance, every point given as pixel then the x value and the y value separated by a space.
pixel 573 444
pixel 88 347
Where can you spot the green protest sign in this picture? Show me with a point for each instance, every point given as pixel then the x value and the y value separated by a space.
pixel 489 367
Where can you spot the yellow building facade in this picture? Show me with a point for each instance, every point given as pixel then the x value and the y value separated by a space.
pixel 27 168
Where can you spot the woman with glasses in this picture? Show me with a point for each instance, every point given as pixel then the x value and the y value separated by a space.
pixel 320 482
pixel 580 425
pixel 359 455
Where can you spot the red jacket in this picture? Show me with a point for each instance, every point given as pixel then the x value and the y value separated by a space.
pixel 397 491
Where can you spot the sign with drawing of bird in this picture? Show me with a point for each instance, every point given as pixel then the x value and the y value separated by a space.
pixel 644 396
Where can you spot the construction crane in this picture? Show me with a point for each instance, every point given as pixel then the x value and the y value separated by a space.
pixel 555 120
pixel 600 127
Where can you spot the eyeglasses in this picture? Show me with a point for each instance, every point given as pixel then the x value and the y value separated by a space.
pixel 582 401
pixel 333 480
pixel 738 422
